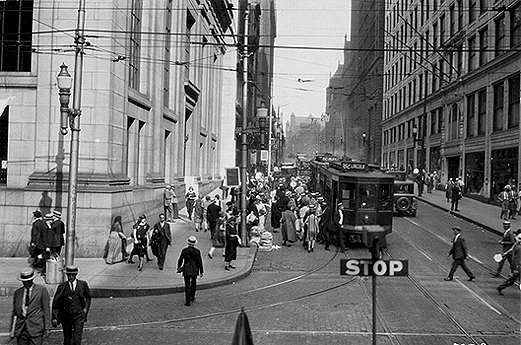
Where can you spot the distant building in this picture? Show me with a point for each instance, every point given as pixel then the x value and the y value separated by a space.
pixel 452 91
pixel 302 135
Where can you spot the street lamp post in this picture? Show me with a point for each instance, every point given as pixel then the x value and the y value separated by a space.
pixel 364 143
pixel 72 116
pixel 262 115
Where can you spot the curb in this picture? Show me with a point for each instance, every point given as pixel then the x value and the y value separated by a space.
pixel 154 291
pixel 459 215
pixel 97 292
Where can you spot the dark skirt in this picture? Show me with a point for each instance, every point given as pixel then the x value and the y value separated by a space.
pixel 230 251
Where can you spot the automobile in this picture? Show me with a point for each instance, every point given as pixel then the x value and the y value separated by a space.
pixel 405 202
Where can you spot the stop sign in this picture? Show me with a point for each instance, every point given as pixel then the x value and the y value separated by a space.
pixel 366 267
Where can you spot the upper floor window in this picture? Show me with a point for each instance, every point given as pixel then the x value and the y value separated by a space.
pixel 500 36
pixel 483 46
pixel 498 106
pixel 513 102
pixel 473 14
pixel 515 27
pixel 135 43
pixel 16 18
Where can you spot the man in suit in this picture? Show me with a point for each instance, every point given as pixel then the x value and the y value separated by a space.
pixel 40 241
pixel 212 215
pixel 57 232
pixel 190 263
pixel 507 241
pixel 336 230
pixel 31 317
pixel 161 239
pixel 459 254
pixel 515 265
pixel 323 225
pixel 70 306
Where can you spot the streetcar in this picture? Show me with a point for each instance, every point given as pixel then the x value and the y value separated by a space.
pixel 366 193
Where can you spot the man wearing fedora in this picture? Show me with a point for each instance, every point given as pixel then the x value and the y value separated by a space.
pixel 57 232
pixel 31 317
pixel 190 263
pixel 459 254
pixel 70 306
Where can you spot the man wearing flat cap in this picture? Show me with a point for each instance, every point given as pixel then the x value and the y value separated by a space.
pixel 31 316
pixel 190 263
pixel 507 241
pixel 70 306
pixel 459 254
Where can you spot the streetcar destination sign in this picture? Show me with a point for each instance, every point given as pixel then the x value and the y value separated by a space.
pixel 366 267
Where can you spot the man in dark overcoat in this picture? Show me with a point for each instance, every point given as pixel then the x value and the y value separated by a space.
pixel 212 215
pixel 31 316
pixel 57 232
pixel 459 254
pixel 40 241
pixel 70 306
pixel 336 230
pixel 161 238
pixel 324 224
pixel 190 263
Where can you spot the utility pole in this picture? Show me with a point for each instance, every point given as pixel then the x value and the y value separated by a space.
pixel 74 119
pixel 243 34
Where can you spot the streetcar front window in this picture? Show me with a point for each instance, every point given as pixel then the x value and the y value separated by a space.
pixel 386 199
pixel 348 197
pixel 367 196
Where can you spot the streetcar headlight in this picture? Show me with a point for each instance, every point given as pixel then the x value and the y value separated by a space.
pixel 366 219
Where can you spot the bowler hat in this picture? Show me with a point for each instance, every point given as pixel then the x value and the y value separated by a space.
pixel 48 216
pixel 37 214
pixel 457 228
pixel 191 240
pixel 57 213
pixel 71 270
pixel 26 274
pixel 506 222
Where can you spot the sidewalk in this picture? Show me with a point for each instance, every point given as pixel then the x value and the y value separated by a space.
pixel 125 280
pixel 473 211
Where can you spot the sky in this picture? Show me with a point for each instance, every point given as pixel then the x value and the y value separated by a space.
pixel 315 23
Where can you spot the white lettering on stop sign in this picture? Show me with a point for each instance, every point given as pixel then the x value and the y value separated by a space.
pixel 379 268
pixel 395 266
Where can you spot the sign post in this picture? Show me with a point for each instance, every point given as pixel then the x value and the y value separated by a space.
pixel 374 268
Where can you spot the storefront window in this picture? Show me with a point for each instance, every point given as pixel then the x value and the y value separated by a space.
pixel 504 169
pixel 475 168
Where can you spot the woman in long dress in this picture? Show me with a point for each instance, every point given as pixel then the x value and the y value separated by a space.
pixel 312 228
pixel 288 230
pixel 114 243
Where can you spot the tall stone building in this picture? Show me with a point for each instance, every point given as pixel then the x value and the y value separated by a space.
pixel 150 110
pixel 354 96
pixel 452 93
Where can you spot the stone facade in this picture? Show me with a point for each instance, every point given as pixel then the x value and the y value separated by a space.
pixel 150 114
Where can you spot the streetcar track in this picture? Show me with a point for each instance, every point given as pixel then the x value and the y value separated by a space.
pixel 432 299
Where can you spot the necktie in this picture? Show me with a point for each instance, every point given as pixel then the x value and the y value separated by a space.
pixel 71 286
pixel 26 301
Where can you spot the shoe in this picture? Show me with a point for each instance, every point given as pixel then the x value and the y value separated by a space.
pixel 227 268
pixel 448 279
pixel 457 210
pixel 192 299
pixel 140 268
pixel 187 304
pixel 284 243
pixel 309 250
pixel 327 248
pixel 312 249
pixel 289 245
pixel 471 279
pixel 131 262
pixel 495 275
pixel 210 256
pixel 148 260
pixel 231 266
pixel 275 230
pixel 160 268
pixel 499 291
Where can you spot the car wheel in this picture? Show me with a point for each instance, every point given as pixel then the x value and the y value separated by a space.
pixel 403 204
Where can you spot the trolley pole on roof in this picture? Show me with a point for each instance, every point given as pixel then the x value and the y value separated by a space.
pixel 243 31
